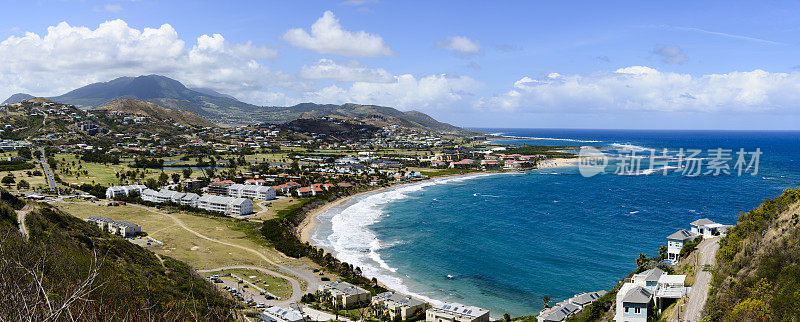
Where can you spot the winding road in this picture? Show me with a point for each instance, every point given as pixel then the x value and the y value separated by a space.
pixel 699 292
pixel 289 273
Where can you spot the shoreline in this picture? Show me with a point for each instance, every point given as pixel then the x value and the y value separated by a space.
pixel 305 228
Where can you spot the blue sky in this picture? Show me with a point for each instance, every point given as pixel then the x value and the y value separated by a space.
pixel 718 65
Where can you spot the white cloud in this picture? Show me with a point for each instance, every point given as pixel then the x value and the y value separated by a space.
pixel 639 88
pixel 461 45
pixel 67 57
pixel 328 37
pixel 671 54
pixel 351 71
pixel 112 7
pixel 406 92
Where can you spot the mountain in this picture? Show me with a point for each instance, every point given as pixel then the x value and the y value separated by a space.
pixel 211 92
pixel 158 89
pixel 134 106
pixel 18 97
pixel 225 109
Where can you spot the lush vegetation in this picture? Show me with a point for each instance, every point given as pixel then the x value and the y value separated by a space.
pixel 15 165
pixel 69 269
pixel 758 273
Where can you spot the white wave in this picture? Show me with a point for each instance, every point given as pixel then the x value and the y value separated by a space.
pixel 353 242
pixel 629 147
pixel 543 138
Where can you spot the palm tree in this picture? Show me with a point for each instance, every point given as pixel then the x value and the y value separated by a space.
pixel 546 301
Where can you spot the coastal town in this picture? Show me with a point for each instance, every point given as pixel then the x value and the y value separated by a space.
pixel 101 162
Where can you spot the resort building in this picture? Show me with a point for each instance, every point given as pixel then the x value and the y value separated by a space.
pixel 675 243
pixel 397 305
pixel 346 294
pixel 124 228
pixel 121 228
pixel 227 205
pixel 124 191
pixel 251 191
pixel 454 312
pixel 189 199
pixel 708 229
pixel 281 314
pixel 286 187
pixel 220 187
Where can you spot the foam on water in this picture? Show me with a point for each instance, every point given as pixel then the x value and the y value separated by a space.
pixel 353 242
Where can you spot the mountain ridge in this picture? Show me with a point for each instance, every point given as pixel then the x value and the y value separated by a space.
pixel 223 109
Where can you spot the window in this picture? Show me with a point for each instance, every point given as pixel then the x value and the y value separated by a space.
pixel 637 310
pixel 626 309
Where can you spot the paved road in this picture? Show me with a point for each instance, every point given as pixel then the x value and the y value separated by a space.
pixel 49 174
pixel 297 291
pixel 707 250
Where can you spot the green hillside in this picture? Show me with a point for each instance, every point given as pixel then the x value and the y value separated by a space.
pixel 758 273
pixel 70 270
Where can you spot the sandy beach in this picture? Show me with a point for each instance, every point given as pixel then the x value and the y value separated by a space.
pixel 307 225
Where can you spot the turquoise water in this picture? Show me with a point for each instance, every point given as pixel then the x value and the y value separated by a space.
pixel 504 241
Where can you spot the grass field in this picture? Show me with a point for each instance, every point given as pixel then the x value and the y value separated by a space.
pixel 182 244
pixel 275 285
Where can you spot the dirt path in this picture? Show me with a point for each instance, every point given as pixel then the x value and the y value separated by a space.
pixel 297 290
pixel 699 292
pixel 21 219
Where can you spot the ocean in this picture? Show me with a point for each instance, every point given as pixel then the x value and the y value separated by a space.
pixel 504 241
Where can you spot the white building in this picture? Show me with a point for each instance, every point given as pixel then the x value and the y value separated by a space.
pixel 653 285
pixel 675 243
pixel 454 312
pixel 121 228
pixel 227 205
pixel 708 228
pixel 119 191
pixel 251 191
pixel 282 314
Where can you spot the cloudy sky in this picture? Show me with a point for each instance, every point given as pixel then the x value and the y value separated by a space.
pixel 685 65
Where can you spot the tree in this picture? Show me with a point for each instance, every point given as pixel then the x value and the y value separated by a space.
pixel 641 261
pixel 506 317
pixel 176 177
pixel 662 252
pixel 25 153
pixel 8 180
pixel 546 301
pixel 22 185
pixel 163 178
pixel 187 173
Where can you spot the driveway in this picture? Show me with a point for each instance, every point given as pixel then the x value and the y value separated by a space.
pixel 707 250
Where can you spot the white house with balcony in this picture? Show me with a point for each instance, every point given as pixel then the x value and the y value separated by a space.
pixel 675 243
pixel 708 228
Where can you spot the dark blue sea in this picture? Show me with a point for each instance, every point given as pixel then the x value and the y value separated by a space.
pixel 503 241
